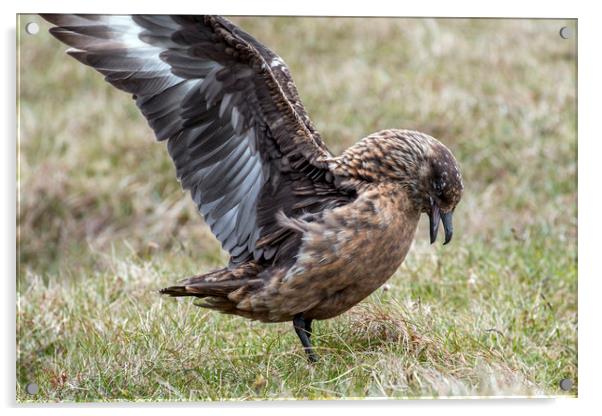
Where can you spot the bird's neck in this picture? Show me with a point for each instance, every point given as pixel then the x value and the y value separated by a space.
pixel 380 157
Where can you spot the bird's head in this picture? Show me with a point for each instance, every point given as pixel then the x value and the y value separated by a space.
pixel 441 188
pixel 430 172
pixel 420 164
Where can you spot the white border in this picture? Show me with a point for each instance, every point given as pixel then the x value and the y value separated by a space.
pixel 457 8
pixel 590 216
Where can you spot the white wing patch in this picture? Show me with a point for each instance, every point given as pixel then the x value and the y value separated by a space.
pixel 126 36
pixel 277 62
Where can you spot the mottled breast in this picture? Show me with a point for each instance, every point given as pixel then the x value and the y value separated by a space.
pixel 345 256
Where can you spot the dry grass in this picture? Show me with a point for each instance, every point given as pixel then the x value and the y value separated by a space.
pixel 103 224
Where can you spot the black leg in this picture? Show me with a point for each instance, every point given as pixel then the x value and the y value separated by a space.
pixel 308 327
pixel 303 330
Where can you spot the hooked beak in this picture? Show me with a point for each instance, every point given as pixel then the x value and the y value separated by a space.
pixel 434 218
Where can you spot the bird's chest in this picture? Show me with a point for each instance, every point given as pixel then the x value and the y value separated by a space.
pixel 358 249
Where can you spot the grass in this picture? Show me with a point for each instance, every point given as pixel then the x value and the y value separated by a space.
pixel 102 224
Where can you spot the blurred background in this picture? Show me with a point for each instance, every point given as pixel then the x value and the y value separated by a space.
pixel 95 189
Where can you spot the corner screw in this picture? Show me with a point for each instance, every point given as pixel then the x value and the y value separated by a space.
pixel 32 388
pixel 32 28
pixel 565 32
pixel 566 384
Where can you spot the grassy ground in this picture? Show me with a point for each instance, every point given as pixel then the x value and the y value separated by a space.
pixel 103 225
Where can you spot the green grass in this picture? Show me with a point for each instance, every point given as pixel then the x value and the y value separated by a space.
pixel 103 224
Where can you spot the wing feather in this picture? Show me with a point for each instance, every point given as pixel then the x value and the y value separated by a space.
pixel 227 107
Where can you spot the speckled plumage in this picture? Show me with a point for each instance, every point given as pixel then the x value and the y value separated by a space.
pixel 310 234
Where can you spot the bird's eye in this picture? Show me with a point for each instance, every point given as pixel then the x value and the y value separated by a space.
pixel 438 187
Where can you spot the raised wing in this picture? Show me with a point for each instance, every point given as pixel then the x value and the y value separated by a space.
pixel 235 127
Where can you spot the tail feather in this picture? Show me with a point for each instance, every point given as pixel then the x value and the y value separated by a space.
pixel 218 283
pixel 202 289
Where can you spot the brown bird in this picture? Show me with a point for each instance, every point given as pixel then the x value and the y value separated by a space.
pixel 310 234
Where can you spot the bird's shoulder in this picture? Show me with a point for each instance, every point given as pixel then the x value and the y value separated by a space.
pixel 381 215
pixel 385 205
